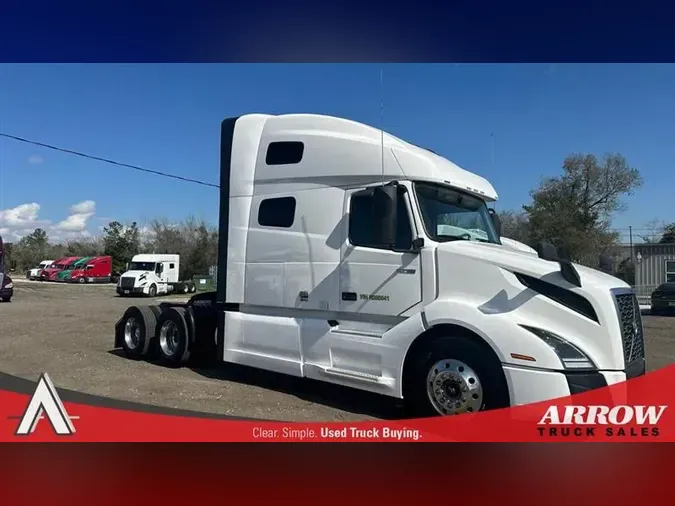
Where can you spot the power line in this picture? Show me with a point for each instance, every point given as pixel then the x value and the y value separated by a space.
pixel 107 160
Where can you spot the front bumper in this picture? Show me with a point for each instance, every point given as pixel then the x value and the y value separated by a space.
pixel 6 293
pixel 663 304
pixel 130 291
pixel 527 385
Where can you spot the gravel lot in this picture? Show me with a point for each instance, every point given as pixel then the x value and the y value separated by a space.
pixel 67 331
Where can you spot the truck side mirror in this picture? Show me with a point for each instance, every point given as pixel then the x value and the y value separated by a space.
pixel 496 221
pixel 385 199
pixel 126 266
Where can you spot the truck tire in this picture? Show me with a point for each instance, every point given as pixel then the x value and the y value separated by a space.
pixel 82 280
pixel 138 331
pixel 173 340
pixel 452 376
pixel 152 291
pixel 192 288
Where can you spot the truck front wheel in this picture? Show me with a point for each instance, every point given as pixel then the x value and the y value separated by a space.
pixel 152 291
pixel 172 337
pixel 453 376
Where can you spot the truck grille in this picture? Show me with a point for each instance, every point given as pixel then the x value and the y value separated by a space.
pixel 127 283
pixel 630 321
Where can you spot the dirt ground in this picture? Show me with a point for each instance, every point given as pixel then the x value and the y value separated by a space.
pixel 67 331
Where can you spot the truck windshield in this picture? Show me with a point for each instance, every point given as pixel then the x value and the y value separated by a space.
pixel 451 215
pixel 142 266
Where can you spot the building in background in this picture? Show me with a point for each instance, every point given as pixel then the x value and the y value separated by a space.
pixel 654 264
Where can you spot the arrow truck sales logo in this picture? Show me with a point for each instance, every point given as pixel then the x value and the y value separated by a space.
pixel 45 401
pixel 589 421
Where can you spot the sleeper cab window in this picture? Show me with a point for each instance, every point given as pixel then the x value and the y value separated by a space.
pixel 284 153
pixel 361 232
pixel 277 212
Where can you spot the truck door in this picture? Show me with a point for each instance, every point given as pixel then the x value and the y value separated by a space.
pixel 374 279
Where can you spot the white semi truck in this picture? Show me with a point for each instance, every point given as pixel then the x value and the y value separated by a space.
pixel 34 273
pixel 517 245
pixel 152 275
pixel 350 256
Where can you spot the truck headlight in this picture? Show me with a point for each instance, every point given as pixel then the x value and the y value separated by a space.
pixel 9 285
pixel 570 356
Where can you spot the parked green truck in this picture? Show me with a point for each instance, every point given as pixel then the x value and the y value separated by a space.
pixel 65 274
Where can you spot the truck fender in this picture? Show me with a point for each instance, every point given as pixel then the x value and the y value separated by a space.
pixel 434 327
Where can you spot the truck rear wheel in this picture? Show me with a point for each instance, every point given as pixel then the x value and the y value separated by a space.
pixel 172 337
pixel 138 330
pixel 452 376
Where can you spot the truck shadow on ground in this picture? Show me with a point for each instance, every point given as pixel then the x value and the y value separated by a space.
pixel 333 396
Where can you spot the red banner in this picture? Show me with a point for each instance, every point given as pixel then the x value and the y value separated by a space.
pixel 637 410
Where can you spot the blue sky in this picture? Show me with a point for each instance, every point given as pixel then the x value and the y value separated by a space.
pixel 166 117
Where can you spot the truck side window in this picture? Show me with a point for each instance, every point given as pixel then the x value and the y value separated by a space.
pixel 361 218
pixel 278 212
pixel 172 266
pixel 284 153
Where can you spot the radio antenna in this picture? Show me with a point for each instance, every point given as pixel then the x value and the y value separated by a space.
pixel 382 122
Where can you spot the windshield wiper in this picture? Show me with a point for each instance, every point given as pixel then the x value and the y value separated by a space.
pixel 463 237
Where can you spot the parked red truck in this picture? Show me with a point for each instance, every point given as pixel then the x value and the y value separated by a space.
pixel 95 270
pixel 49 274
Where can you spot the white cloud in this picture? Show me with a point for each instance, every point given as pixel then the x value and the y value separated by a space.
pixel 35 159
pixel 23 219
pixel 78 220
pixel 86 207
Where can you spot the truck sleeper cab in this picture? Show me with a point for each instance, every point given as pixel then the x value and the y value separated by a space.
pixel 66 274
pixel 51 272
pixel 350 256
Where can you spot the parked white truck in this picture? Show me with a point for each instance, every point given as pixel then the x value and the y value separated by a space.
pixel 152 275
pixel 335 265
pixel 34 273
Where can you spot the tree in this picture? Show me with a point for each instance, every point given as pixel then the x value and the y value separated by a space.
pixel 84 248
pixel 668 234
pixel 626 271
pixel 573 211
pixel 121 243
pixel 515 226
pixel 194 240
pixel 32 249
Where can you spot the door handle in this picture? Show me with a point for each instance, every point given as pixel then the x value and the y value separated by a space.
pixel 349 296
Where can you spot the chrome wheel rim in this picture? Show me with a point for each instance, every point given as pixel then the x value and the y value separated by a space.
pixel 454 388
pixel 169 338
pixel 132 333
